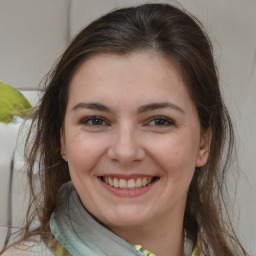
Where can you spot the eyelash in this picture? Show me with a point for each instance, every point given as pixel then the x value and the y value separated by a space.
pixel 165 121
pixel 100 121
pixel 86 121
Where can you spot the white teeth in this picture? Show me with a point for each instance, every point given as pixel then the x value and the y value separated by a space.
pixel 110 182
pixel 138 183
pixel 131 184
pixel 116 183
pixel 122 183
pixel 127 184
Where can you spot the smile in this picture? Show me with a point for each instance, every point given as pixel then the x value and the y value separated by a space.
pixel 130 184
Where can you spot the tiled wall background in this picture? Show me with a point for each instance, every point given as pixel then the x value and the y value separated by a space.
pixel 34 33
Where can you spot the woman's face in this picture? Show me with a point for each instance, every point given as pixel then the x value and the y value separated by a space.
pixel 132 139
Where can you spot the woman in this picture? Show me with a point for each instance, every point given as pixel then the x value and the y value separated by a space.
pixel 132 142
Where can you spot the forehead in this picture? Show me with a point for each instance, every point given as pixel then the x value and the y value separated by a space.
pixel 135 77
pixel 146 60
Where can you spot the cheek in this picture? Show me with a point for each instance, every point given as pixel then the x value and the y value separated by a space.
pixel 84 152
pixel 176 155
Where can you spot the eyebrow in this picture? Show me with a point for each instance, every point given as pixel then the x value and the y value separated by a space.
pixel 141 109
pixel 156 106
pixel 92 106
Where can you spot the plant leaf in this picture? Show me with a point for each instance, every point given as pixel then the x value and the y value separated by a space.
pixel 12 103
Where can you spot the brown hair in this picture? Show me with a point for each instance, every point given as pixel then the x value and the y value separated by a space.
pixel 174 34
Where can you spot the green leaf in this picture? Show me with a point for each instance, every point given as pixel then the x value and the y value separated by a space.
pixel 12 103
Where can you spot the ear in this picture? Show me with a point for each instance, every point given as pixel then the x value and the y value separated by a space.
pixel 63 144
pixel 204 148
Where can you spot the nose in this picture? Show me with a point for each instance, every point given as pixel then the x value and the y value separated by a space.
pixel 125 147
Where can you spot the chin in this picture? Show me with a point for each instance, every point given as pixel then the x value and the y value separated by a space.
pixel 126 218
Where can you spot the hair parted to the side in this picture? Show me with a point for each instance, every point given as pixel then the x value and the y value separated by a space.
pixel 176 35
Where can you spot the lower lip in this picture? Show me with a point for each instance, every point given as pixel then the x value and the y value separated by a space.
pixel 127 192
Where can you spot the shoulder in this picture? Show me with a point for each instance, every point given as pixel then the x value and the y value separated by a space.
pixel 28 249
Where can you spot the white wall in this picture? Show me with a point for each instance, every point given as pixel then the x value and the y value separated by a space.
pixel 33 33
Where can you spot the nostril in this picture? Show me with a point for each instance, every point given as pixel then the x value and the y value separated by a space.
pixel 125 154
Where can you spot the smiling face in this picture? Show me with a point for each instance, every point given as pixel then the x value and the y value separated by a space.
pixel 132 139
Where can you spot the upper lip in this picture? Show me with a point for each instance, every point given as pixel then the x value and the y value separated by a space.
pixel 127 176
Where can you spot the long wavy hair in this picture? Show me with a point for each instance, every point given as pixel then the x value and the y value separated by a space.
pixel 174 34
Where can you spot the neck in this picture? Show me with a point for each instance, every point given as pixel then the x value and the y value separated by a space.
pixel 161 238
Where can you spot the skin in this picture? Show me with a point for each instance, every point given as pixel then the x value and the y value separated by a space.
pixel 126 139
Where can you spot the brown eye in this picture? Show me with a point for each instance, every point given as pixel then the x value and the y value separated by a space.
pixel 160 121
pixel 94 121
